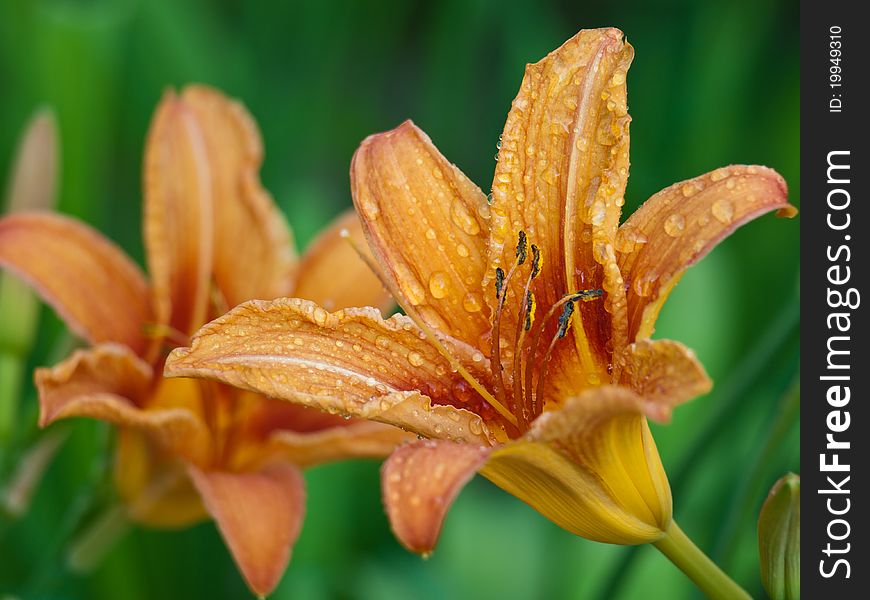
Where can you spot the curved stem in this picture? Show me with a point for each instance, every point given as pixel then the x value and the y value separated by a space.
pixel 709 578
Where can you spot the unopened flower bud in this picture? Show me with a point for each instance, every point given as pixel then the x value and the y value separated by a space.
pixel 779 539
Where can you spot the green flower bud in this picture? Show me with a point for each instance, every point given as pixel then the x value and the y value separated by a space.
pixel 779 539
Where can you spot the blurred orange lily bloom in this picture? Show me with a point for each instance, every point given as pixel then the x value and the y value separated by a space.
pixel 213 239
pixel 486 364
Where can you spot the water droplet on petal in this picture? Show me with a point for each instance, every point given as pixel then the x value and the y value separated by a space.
pixel 463 219
pixel 643 283
pixel 723 210
pixel 430 234
pixel 472 302
pixel 438 284
pixel 410 285
pixel 462 250
pixel 675 225
pixel 415 359
pixel 720 174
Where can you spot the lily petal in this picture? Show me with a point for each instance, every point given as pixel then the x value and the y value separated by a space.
pixel 592 468
pixel 561 175
pixel 678 226
pixel 425 222
pixel 259 516
pixel 420 481
pixel 153 482
pixel 362 439
pixel 178 220
pixel 333 275
pixel 255 257
pixel 100 294
pixel 351 362
pixel 107 382
pixel 664 373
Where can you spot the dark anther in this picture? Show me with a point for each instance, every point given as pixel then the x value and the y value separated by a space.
pixel 536 261
pixel 530 310
pixel 521 248
pixel 586 295
pixel 565 319
pixel 499 282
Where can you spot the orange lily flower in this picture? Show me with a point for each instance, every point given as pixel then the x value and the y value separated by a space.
pixel 487 364
pixel 213 239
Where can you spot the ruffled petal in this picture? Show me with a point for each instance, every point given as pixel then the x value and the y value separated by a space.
pixel 664 373
pixel 561 175
pixel 420 481
pixel 678 226
pixel 254 256
pixel 351 362
pixel 592 468
pixel 426 224
pixel 100 294
pixel 108 382
pixel 259 516
pixel 178 220
pixel 333 275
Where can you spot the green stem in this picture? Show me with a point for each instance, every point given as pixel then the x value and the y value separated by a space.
pixel 709 578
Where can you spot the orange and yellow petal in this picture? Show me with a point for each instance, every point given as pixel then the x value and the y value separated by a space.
pixel 110 383
pixel 358 439
pixel 254 255
pixel 259 515
pixel 592 468
pixel 560 177
pixel 420 481
pixel 664 373
pixel 179 215
pixel 334 276
pixel 426 224
pixel 153 482
pixel 679 225
pixel 351 362
pixel 95 288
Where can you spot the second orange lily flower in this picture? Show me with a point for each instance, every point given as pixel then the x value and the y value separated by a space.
pixel 487 364
pixel 213 239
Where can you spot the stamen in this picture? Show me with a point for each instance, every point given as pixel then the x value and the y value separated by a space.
pixel 537 332
pixel 521 248
pixel 524 322
pixel 499 282
pixel 587 295
pixel 564 325
pixel 530 310
pixel 432 336
pixel 566 318
pixel 536 261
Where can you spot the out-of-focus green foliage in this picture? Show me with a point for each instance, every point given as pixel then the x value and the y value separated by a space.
pixel 713 83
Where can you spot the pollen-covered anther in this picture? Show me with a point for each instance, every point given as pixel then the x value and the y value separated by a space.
pixel 529 310
pixel 566 318
pixel 521 248
pixel 536 261
pixel 587 295
pixel 499 282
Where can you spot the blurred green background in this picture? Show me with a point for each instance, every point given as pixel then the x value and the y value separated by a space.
pixel 713 83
